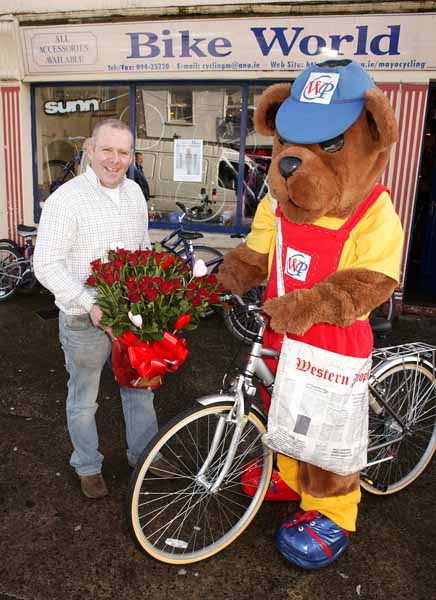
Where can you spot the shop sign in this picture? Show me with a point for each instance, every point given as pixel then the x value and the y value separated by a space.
pixel 379 42
pixel 53 107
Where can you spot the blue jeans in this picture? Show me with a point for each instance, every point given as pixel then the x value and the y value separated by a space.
pixel 86 350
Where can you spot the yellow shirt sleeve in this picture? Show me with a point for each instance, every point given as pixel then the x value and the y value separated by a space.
pixel 262 236
pixel 376 243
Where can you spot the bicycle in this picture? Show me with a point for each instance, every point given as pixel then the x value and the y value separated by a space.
pixel 16 263
pixel 57 171
pixel 197 507
pixel 180 242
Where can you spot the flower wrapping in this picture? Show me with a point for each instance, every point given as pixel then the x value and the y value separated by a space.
pixel 146 298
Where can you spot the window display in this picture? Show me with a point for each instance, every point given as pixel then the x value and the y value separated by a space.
pixel 189 141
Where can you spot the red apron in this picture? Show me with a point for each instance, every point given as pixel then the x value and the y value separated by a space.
pixel 310 254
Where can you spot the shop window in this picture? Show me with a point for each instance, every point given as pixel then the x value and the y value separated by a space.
pixel 200 189
pixel 180 106
pixel 65 118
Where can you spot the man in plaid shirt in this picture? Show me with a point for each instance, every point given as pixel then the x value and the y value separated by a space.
pixel 79 222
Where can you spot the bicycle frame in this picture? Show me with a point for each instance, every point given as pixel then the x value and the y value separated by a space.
pixel 178 243
pixel 243 389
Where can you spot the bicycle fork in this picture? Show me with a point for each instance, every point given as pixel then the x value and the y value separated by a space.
pixel 239 419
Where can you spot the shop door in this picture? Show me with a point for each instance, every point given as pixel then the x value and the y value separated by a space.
pixel 421 278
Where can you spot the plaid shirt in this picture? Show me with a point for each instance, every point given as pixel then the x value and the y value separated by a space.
pixel 78 224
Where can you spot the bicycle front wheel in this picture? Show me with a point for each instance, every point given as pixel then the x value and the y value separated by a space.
pixel 10 271
pixel 176 518
pixel 409 388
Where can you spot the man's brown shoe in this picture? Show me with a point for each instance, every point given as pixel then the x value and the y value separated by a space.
pixel 93 486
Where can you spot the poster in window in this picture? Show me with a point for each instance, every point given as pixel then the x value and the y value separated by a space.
pixel 188 160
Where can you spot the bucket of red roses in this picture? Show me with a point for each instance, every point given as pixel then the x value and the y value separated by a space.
pixel 147 297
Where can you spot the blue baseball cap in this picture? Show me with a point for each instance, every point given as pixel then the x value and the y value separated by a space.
pixel 326 99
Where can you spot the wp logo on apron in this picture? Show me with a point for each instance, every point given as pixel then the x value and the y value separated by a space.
pixel 297 264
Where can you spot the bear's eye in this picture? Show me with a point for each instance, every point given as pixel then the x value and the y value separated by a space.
pixel 333 145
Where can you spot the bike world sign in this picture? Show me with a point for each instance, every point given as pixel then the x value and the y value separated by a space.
pixel 378 42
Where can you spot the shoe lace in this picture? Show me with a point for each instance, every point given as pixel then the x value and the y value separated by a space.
pixel 303 517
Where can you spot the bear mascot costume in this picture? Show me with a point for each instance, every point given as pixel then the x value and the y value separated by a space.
pixel 328 240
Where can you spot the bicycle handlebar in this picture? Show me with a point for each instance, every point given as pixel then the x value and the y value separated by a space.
pixel 253 308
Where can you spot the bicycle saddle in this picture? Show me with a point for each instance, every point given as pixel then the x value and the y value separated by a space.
pixel 190 235
pixel 24 230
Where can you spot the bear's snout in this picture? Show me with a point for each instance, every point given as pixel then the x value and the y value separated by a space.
pixel 288 165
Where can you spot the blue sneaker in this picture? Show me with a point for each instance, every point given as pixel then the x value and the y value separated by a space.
pixel 311 540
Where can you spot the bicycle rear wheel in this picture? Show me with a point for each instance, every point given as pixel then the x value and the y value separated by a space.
pixel 242 324
pixel 409 388
pixel 175 518
pixel 56 172
pixel 9 243
pixel 10 271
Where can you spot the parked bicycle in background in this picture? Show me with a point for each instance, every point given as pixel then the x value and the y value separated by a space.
pixel 16 263
pixel 57 171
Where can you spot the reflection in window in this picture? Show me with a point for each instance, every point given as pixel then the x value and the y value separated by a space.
pixel 65 117
pixel 180 107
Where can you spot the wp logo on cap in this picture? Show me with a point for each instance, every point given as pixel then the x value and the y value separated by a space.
pixel 325 100
pixel 320 88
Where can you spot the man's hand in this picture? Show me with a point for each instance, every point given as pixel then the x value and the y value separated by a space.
pixel 96 315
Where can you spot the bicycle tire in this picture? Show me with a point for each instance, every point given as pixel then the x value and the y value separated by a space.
pixel 8 242
pixel 212 257
pixel 10 272
pixel 241 324
pixel 410 389
pixel 154 524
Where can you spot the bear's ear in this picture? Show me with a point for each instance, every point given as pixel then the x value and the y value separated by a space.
pixel 381 118
pixel 267 107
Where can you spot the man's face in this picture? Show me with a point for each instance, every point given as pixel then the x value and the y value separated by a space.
pixel 111 155
pixel 139 159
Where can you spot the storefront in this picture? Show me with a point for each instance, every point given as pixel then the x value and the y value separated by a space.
pixel 188 89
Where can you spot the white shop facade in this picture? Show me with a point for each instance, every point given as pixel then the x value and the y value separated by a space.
pixel 188 89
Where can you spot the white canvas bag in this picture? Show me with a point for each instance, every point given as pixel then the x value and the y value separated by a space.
pixel 319 406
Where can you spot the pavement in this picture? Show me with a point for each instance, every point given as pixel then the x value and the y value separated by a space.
pixel 55 544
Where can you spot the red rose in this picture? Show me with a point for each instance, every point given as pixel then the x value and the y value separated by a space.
pixel 168 262
pixel 133 259
pixel 166 287
pixel 144 284
pixel 134 296
pixel 91 281
pixel 213 299
pixel 177 284
pixel 196 301
pixel 151 295
pixel 118 263
pixel 182 321
pixel 144 254
pixel 109 278
pixel 96 265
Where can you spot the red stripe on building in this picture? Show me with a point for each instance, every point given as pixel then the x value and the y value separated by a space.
pixel 409 101
pixel 12 156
